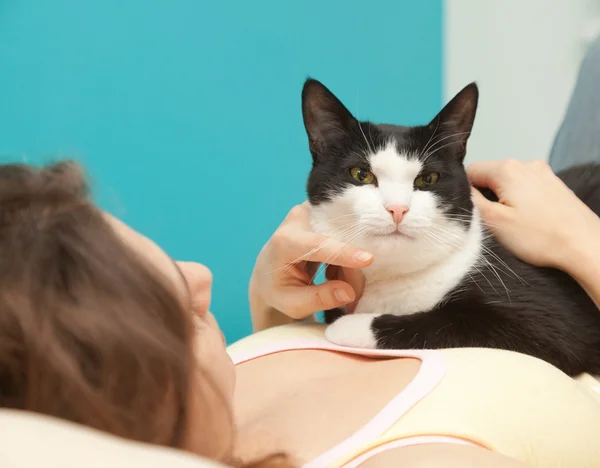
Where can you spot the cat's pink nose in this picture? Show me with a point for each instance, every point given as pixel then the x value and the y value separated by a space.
pixel 397 212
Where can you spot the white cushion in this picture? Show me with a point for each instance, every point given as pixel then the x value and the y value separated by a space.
pixel 29 440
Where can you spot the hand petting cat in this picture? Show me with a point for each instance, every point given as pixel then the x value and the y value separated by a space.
pixel 540 219
pixel 537 217
pixel 282 286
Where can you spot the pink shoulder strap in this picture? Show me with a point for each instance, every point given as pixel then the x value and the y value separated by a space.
pixel 430 373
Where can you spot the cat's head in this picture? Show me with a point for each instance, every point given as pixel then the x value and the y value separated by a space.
pixel 394 190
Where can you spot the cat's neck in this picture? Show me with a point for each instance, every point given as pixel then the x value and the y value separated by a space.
pixel 389 288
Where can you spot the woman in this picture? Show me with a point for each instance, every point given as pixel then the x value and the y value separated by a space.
pixel 100 327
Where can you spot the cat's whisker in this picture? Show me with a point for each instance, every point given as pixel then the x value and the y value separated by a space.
pixel 425 148
pixel 487 280
pixel 492 268
pixel 432 151
pixel 336 254
pixel 363 134
pixel 362 156
pixel 331 220
pixel 487 250
pixel 496 268
pixel 345 238
pixel 370 137
pixel 371 149
pixel 503 263
pixel 438 242
pixel 461 218
pixel 439 149
pixel 444 242
pixel 445 136
pixel 333 236
pixel 496 257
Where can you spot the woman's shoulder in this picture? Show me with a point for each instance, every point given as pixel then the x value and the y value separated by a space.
pixel 281 334
pixel 301 335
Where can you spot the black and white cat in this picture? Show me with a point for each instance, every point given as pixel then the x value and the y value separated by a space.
pixel 438 280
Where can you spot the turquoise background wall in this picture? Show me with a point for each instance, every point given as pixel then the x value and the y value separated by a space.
pixel 187 112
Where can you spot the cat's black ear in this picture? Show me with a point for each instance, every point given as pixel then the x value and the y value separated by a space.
pixel 456 119
pixel 326 119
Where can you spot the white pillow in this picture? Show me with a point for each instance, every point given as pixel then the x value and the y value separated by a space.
pixel 29 440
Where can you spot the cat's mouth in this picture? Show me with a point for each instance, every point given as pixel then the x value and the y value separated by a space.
pixel 395 234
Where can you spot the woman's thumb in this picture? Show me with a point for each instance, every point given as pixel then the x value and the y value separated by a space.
pixel 483 204
pixel 492 213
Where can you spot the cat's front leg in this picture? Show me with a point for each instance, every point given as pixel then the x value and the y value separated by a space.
pixel 422 330
pixel 332 315
pixel 353 330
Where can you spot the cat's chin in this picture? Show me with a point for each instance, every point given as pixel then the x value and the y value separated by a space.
pixel 397 239
pixel 394 235
pixel 399 255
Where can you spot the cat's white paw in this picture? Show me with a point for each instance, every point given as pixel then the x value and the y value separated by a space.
pixel 353 330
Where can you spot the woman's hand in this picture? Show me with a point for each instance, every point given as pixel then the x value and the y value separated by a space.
pixel 282 286
pixel 537 217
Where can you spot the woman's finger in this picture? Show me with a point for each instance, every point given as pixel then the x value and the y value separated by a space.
pixel 489 210
pixel 482 203
pixel 301 302
pixel 308 246
pixel 354 278
pixel 483 174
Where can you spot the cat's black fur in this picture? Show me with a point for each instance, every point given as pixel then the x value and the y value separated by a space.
pixel 546 314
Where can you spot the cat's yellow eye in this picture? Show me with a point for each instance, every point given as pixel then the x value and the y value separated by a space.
pixel 362 175
pixel 427 180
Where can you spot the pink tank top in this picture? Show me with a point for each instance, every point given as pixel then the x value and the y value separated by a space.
pixel 430 373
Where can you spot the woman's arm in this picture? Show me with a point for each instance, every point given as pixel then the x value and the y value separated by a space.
pixel 584 267
pixel 282 288
pixel 540 219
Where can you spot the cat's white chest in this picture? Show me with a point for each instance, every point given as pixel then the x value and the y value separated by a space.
pixel 387 292
pixel 403 296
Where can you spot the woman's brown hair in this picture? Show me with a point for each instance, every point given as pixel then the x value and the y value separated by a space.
pixel 88 331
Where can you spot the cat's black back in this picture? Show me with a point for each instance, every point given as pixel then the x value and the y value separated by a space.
pixel 542 312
